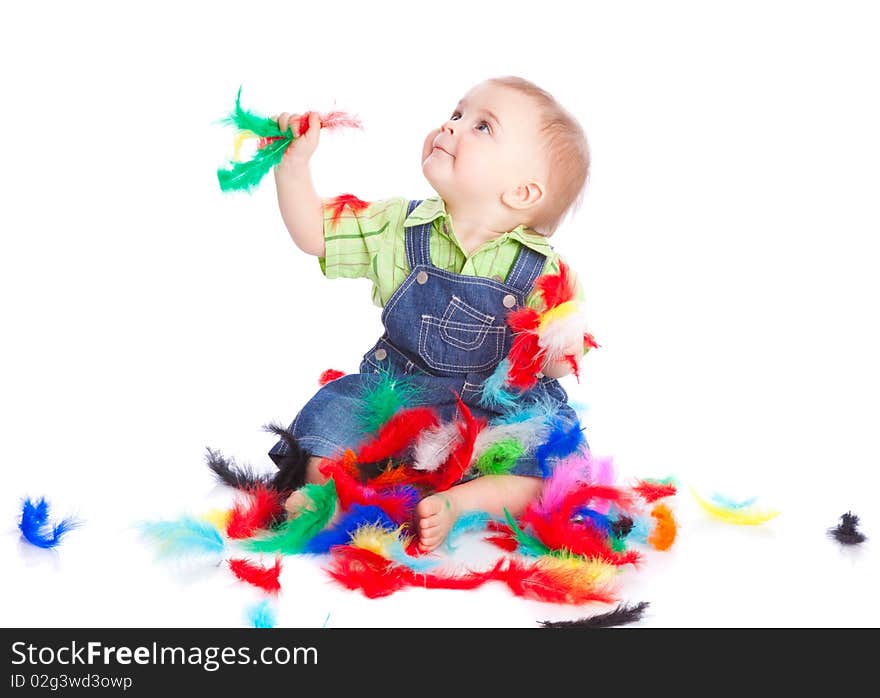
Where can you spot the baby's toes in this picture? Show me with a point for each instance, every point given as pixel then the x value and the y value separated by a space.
pixel 429 507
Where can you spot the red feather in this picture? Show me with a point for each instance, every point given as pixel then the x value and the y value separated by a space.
pixel 504 542
pixel 398 505
pixel 330 375
pixel 263 505
pixel 397 433
pixel 376 576
pixel 457 464
pixel 532 581
pixel 339 203
pixel 652 491
pixel 556 288
pixel 265 578
pixel 333 119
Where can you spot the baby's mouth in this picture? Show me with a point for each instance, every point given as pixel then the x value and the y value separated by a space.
pixel 437 147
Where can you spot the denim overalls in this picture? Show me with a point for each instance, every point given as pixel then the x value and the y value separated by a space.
pixel 446 332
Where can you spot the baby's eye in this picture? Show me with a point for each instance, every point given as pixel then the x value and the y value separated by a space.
pixel 454 114
pixel 486 124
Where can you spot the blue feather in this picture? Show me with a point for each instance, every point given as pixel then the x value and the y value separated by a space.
pixel 340 534
pixel 640 530
pixel 35 527
pixel 728 503
pixel 469 521
pixel 561 442
pixel 262 615
pixel 600 521
pixel 494 395
pixel 417 564
pixel 183 536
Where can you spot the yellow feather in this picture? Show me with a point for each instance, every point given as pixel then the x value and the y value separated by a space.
pixel 240 138
pixel 563 310
pixel 374 538
pixel 218 518
pixel 743 517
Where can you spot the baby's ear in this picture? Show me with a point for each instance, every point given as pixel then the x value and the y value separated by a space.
pixel 524 197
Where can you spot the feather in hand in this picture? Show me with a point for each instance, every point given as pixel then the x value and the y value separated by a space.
pixel 245 176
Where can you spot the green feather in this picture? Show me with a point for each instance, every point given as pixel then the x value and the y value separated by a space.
pixel 500 457
pixel 245 176
pixel 291 537
pixel 379 402
pixel 245 120
pixel 527 544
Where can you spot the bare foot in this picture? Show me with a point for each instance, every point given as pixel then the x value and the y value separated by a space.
pixel 436 514
pixel 298 501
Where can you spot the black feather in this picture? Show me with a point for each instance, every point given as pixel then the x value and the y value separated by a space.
pixel 292 462
pixel 845 532
pixel 621 615
pixel 622 527
pixel 241 477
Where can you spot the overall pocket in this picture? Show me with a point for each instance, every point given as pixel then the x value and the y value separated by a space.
pixel 464 339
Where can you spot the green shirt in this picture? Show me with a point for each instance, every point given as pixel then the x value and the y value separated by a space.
pixel 371 243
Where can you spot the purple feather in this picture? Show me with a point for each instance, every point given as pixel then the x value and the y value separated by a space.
pixel 35 526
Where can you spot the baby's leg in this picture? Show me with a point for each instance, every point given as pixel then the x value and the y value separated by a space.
pixel 490 493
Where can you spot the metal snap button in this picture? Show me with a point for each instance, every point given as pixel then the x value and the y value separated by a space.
pixel 381 354
pixel 509 300
pixel 422 277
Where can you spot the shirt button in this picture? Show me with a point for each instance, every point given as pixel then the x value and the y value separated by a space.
pixel 509 300
pixel 497 278
pixel 422 277
pixel 381 354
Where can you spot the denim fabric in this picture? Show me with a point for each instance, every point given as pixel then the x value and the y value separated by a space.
pixel 446 333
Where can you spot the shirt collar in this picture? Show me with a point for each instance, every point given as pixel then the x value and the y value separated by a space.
pixel 434 208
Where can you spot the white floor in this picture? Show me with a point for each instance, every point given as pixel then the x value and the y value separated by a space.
pixel 726 246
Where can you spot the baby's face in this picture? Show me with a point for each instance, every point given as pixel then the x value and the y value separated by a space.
pixel 490 144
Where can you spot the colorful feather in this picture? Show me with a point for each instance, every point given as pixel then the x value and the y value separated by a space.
pixel 467 522
pixel 379 402
pixel 569 474
pixel 500 457
pixel 435 445
pixel 846 531
pixel 339 203
pixel 262 508
pixel 35 527
pixel 343 530
pixel 265 578
pixel 664 531
pixel 494 395
pixel 652 490
pixel 228 472
pixel 528 545
pixel 397 433
pixel 564 439
pixel 329 375
pixel 183 536
pixel 460 458
pixel 293 535
pixel 262 614
pixel 245 176
pixel 622 615
pixel 742 517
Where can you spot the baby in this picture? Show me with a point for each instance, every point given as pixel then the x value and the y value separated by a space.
pixel 508 165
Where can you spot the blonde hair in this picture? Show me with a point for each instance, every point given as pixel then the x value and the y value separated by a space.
pixel 568 156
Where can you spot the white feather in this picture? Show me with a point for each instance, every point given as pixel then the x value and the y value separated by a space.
pixel 434 446
pixel 562 336
pixel 530 433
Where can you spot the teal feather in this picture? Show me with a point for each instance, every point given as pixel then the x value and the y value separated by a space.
pixel 495 396
pixel 528 545
pixel 467 522
pixel 262 615
pixel 183 536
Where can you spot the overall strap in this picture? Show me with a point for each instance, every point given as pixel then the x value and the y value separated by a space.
pixel 418 240
pixel 526 269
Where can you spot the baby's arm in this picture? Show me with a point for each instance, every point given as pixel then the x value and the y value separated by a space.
pixel 300 206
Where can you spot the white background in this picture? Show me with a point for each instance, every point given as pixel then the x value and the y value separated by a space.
pixel 727 247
